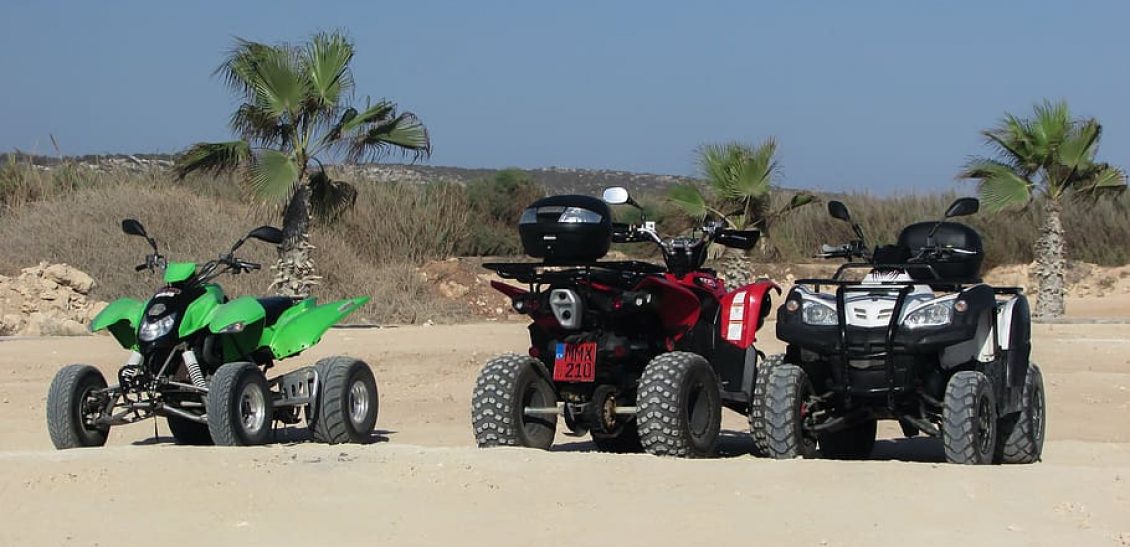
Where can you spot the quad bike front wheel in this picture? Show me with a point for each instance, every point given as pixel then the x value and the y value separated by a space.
pixel 679 406
pixel 347 402
pixel 507 387
pixel 72 408
pixel 969 419
pixel 788 394
pixel 1022 435
pixel 240 408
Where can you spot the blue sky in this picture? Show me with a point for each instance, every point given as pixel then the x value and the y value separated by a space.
pixel 885 96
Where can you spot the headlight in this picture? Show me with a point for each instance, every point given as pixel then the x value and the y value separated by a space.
pixel 233 328
pixel 815 313
pixel 152 330
pixel 529 216
pixel 931 315
pixel 577 214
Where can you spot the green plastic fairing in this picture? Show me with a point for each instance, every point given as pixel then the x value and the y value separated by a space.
pixel 199 313
pixel 298 331
pixel 120 317
pixel 245 310
pixel 176 272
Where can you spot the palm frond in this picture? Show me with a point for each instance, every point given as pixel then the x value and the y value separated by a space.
pixel 255 124
pixel 326 59
pixel 280 84
pixel 689 199
pixel 1078 148
pixel 999 184
pixel 214 157
pixel 273 176
pixel 1103 180
pixel 404 133
pixel 330 198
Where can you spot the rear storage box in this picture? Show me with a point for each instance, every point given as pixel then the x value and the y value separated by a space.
pixel 565 229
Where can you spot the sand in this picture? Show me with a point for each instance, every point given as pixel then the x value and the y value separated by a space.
pixel 425 483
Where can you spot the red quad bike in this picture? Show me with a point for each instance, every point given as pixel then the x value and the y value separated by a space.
pixel 641 356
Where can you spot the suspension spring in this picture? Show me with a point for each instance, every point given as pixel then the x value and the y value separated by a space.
pixel 193 367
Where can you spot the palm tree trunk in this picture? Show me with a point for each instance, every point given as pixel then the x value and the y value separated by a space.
pixel 1051 264
pixel 294 271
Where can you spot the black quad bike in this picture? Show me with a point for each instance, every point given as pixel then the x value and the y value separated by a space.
pixel 919 339
pixel 198 359
pixel 641 356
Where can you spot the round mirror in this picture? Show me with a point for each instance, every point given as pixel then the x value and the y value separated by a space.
pixel 616 195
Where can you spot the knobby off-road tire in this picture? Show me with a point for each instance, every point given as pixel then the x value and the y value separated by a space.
pixel 969 419
pixel 345 410
pixel 188 432
pixel 786 405
pixel 853 443
pixel 680 407
pixel 626 441
pixel 507 385
pixel 1022 435
pixel 67 406
pixel 240 409
pixel 757 404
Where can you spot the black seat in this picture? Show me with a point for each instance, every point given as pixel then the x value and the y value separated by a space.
pixel 275 306
pixel 957 266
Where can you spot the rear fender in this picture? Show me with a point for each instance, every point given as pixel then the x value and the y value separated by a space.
pixel 300 330
pixel 679 307
pixel 508 290
pixel 744 311
pixel 121 318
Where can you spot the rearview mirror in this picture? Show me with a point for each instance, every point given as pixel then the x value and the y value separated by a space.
pixel 963 207
pixel 839 211
pixel 616 195
pixel 133 228
pixel 270 234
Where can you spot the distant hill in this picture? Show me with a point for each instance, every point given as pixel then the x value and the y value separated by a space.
pixel 557 180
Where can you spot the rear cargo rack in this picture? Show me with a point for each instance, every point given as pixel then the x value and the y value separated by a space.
pixel 541 272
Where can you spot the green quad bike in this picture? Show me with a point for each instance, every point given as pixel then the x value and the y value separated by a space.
pixel 199 360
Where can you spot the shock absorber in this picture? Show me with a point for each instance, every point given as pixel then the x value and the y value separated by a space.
pixel 193 367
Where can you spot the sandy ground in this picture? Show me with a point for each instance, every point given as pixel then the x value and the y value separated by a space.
pixel 425 484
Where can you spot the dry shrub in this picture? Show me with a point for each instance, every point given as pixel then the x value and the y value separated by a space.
pixel 83 229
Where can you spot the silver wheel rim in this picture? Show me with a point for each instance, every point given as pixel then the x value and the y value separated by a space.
pixel 358 402
pixel 252 408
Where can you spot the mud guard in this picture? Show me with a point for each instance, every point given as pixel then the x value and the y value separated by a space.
pixel 744 310
pixel 121 318
pixel 296 332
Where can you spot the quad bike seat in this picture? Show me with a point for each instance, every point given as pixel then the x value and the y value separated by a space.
pixel 948 235
pixel 275 306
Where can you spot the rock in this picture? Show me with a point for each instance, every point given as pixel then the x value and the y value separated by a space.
pixel 47 300
pixel 70 277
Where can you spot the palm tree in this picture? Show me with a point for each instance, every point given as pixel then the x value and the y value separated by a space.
pixel 741 178
pixel 1046 158
pixel 296 110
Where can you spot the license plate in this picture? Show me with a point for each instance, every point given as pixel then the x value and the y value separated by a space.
pixel 575 362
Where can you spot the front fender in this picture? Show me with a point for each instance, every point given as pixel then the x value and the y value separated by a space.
pixel 245 309
pixel 295 332
pixel 744 311
pixel 120 317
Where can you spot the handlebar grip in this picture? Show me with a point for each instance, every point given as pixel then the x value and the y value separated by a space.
pixel 140 267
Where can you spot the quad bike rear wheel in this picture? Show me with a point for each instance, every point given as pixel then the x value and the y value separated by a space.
pixel 788 394
pixel 346 406
pixel 679 406
pixel 72 407
pixel 188 432
pixel 757 404
pixel 507 386
pixel 1022 435
pixel 852 443
pixel 240 408
pixel 969 419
